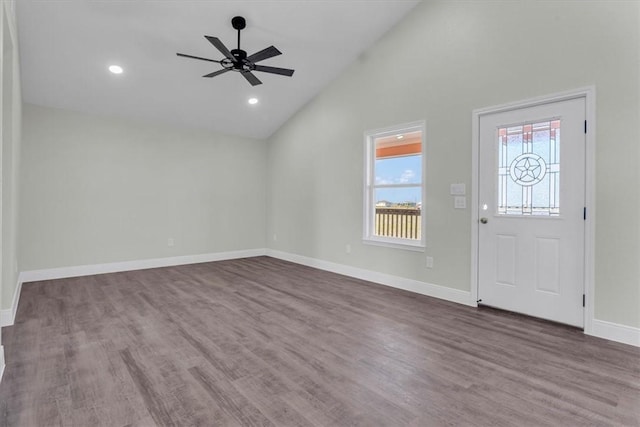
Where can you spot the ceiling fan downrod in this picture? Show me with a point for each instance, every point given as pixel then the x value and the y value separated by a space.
pixel 239 23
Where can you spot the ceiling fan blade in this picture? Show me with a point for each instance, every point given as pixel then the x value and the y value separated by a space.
pixel 266 53
pixel 220 46
pixel 197 57
pixel 217 73
pixel 274 70
pixel 251 78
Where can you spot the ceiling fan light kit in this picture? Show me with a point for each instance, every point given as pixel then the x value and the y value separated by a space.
pixel 238 60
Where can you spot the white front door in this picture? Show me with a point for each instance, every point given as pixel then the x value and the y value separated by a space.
pixel 531 209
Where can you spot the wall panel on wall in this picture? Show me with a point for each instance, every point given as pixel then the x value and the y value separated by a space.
pixel 99 190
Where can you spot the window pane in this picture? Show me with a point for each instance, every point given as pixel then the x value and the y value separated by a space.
pixel 529 169
pixel 399 170
pixel 397 212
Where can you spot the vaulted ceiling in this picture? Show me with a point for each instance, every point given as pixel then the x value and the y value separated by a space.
pixel 66 47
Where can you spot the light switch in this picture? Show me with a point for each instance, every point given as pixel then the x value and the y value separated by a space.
pixel 457 190
pixel 460 202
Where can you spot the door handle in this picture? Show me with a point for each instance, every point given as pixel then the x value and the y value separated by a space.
pixel 484 220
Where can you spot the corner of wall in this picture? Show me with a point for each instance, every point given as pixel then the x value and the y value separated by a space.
pixel 8 19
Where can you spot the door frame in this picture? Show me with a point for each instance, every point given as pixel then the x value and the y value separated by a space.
pixel 589 95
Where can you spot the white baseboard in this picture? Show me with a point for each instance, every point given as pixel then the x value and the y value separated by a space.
pixel 8 316
pixel 115 267
pixel 615 332
pixel 437 291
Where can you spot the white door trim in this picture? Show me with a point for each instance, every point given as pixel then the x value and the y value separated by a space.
pixel 589 94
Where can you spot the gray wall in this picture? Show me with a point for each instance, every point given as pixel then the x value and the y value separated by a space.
pixel 446 59
pixel 98 190
pixel 10 128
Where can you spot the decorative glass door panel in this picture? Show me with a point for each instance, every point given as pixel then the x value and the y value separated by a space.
pixel 529 169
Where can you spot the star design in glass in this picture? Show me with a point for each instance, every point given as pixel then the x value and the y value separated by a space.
pixel 527 170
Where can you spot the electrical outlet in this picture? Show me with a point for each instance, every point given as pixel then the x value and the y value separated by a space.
pixel 348 248
pixel 170 242
pixel 275 237
pixel 429 262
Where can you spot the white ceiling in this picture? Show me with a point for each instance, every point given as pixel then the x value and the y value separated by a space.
pixel 67 45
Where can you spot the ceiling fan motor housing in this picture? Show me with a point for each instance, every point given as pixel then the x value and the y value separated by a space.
pixel 239 63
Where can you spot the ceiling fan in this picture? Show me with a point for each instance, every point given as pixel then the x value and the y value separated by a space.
pixel 237 59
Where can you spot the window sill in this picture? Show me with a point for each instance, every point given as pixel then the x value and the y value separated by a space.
pixel 415 247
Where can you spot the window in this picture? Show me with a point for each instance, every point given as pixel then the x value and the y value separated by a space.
pixel 529 169
pixel 394 190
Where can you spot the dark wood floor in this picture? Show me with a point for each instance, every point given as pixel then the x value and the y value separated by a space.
pixel 264 342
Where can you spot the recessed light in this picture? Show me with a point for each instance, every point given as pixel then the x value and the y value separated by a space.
pixel 115 69
pixel 399 136
pixel 253 101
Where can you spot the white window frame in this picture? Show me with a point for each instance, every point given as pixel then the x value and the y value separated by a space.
pixel 369 237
